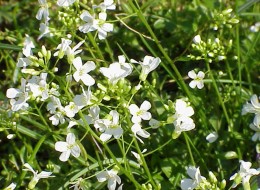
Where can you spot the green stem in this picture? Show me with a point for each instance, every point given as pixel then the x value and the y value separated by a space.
pixel 189 149
pixel 218 95
pixel 145 164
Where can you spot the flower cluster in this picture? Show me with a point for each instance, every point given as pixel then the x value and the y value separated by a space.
pixel 182 120
pixel 209 50
pixel 223 18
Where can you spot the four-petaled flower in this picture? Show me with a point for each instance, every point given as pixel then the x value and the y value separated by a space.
pixel 117 70
pixel 93 24
pixel 110 176
pixel 197 79
pixel 109 127
pixel 149 64
pixel 137 130
pixel 140 113
pixel 36 176
pixel 244 175
pixel 18 96
pixel 83 70
pixel 68 147
pixel 182 120
pixel 256 127
pixel 194 180
pixel 106 5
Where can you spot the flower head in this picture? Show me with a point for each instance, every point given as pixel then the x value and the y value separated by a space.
pixel 117 70
pixel 149 64
pixel 197 79
pixel 43 12
pixel 140 113
pixel 36 176
pixel 18 97
pixel 109 127
pixel 138 131
pixel 182 120
pixel 252 107
pixel 68 147
pixel 93 24
pixel 106 5
pixel 244 175
pixel 194 180
pixel 83 70
pixel 110 176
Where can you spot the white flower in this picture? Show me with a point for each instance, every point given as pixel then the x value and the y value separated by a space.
pixel 149 64
pixel 244 175
pixel 18 97
pixel 106 5
pixel 71 52
pixel 138 157
pixel 43 12
pixel 39 87
pixel 44 30
pixel 137 130
pixel 27 46
pixel 36 176
pixel 253 107
pixel 212 137
pixel 140 113
pixel 93 24
pixel 197 39
pixel 109 127
pixel 23 62
pixel 68 147
pixel 62 47
pixel 182 120
pixel 71 109
pixel 117 70
pixel 110 176
pixel 197 79
pixel 256 127
pixel 196 178
pixel 255 27
pixel 12 186
pixel 65 3
pixel 83 70
pixel 84 99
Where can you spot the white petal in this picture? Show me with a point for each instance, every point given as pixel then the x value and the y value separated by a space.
pixel 77 62
pixel 187 184
pixel 192 74
pixel 115 116
pixel 44 174
pixel 64 156
pixel 145 105
pixel 102 176
pixel 111 184
pixel 70 139
pixel 105 137
pixel 61 146
pixel 29 168
pixel 88 80
pixel 200 84
pixel 102 16
pixel 146 116
pixel 212 137
pixel 201 74
pixel 75 151
pixel 12 93
pixel 133 109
